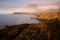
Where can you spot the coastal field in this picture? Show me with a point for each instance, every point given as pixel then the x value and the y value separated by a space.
pixel 47 15
pixel 48 29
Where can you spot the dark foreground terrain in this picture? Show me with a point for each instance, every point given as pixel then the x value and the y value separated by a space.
pixel 48 30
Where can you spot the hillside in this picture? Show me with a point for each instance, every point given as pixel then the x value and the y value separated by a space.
pixel 48 15
pixel 48 30
pixel 44 15
pixel 19 13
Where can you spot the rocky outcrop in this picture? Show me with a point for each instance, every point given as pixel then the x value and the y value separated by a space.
pixel 47 15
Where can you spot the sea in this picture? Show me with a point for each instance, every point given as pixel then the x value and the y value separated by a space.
pixel 14 19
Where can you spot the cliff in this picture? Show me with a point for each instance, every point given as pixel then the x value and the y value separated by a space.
pixel 21 13
pixel 48 15
pixel 48 30
pixel 44 15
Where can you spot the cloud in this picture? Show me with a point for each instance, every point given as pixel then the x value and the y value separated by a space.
pixel 6 11
pixel 10 5
pixel 26 10
pixel 48 7
pixel 32 8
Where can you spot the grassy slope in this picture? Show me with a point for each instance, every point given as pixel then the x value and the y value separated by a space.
pixel 48 15
pixel 43 31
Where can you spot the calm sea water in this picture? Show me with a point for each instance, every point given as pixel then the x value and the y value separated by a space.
pixel 12 19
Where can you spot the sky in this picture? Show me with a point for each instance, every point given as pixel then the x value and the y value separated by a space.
pixel 29 6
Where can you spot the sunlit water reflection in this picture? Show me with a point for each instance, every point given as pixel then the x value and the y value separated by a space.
pixel 12 19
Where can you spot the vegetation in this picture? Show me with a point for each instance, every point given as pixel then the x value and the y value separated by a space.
pixel 48 30
pixel 48 15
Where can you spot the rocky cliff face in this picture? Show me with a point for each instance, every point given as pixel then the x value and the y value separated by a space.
pixel 48 15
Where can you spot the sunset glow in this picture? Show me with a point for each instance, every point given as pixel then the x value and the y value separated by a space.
pixel 29 6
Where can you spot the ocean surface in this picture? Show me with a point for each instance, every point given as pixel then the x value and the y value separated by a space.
pixel 13 19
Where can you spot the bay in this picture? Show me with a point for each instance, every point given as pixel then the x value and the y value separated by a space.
pixel 14 19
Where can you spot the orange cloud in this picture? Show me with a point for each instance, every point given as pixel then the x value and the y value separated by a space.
pixel 48 7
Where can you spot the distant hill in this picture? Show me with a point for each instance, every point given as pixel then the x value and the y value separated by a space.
pixel 19 13
pixel 48 15
pixel 22 13
pixel 43 15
